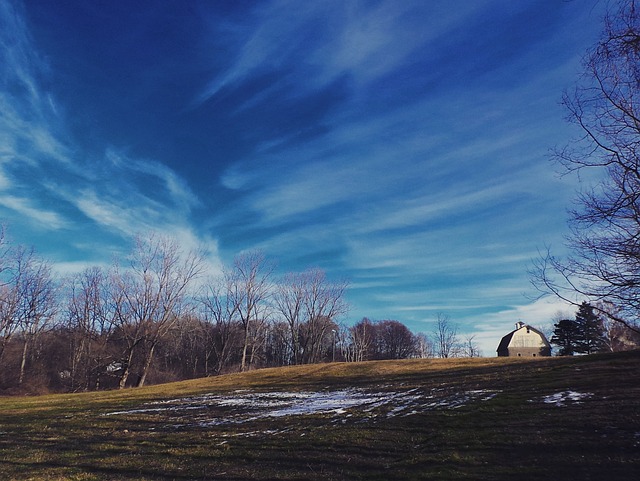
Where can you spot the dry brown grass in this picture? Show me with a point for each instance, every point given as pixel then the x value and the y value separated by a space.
pixel 512 434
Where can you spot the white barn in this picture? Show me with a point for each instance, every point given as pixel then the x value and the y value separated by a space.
pixel 524 341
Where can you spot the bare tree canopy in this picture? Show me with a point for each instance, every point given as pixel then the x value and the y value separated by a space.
pixel 604 238
pixel 250 286
pixel 147 320
pixel 323 302
pixel 288 300
pixel 222 330
pixel 445 337
pixel 151 295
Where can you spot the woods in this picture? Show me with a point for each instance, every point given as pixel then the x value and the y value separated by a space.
pixel 159 316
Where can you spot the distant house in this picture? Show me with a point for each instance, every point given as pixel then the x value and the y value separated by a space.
pixel 524 341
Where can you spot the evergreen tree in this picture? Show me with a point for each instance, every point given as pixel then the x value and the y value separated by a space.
pixel 566 335
pixel 583 335
pixel 592 332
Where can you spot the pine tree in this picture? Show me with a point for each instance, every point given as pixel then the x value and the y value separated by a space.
pixel 566 335
pixel 592 333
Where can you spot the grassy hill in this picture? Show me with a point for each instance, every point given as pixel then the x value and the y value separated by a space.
pixel 489 419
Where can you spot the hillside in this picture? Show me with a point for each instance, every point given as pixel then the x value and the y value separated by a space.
pixel 490 419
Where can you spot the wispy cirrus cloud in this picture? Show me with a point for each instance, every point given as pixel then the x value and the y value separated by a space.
pixel 431 194
pixel 324 41
pixel 379 158
pixel 50 219
pixel 27 125
pixel 400 144
pixel 166 184
pixel 131 196
pixel 48 182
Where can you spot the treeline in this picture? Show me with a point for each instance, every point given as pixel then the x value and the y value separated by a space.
pixel 591 332
pixel 159 316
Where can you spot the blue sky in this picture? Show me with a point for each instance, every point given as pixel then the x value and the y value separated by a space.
pixel 403 145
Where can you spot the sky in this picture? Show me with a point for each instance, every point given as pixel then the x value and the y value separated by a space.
pixel 401 145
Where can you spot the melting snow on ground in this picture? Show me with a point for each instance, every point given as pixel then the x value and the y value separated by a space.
pixel 243 406
pixel 566 397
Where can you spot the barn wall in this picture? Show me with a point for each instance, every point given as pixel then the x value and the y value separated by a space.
pixel 525 342
pixel 528 351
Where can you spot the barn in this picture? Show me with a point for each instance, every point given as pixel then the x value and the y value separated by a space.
pixel 524 341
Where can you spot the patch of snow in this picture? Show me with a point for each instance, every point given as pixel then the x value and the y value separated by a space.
pixel 154 410
pixel 250 434
pixel 565 397
pixel 211 410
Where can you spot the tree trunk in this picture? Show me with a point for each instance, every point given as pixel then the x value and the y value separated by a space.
pixel 127 370
pixel 124 377
pixel 243 364
pixel 147 363
pixel 23 363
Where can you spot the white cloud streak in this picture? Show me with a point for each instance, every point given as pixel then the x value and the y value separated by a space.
pixel 401 191
pixel 43 218
pixel 118 193
pixel 365 43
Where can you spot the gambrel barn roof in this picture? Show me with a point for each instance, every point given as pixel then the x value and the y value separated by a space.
pixel 524 340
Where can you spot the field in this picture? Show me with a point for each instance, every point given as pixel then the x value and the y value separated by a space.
pixel 486 418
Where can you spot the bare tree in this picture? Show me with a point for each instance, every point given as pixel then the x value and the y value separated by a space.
pixel 617 336
pixel 445 337
pixel 604 234
pixel 37 300
pixel 424 346
pixel 278 349
pixel 9 314
pixel 323 302
pixel 316 338
pixel 360 341
pixel 470 347
pixel 9 299
pixel 310 305
pixel 9 319
pixel 28 302
pixel 90 323
pixel 395 340
pixel 150 296
pixel 288 301
pixel 183 352
pixel 219 309
pixel 249 284
pixel 5 251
